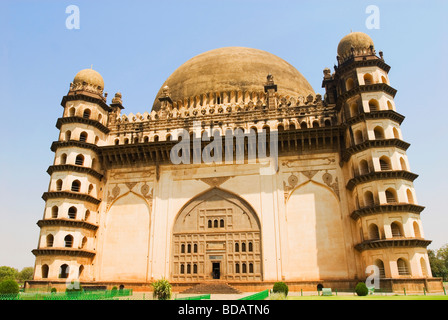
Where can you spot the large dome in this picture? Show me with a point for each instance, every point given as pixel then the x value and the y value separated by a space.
pixel 233 69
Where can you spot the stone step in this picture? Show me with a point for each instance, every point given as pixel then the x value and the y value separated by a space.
pixel 211 287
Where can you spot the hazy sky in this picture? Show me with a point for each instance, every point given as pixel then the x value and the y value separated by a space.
pixel 136 45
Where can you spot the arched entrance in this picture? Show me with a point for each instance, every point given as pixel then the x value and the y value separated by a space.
pixel 216 235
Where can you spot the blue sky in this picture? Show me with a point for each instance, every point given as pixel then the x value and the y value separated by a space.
pixel 136 45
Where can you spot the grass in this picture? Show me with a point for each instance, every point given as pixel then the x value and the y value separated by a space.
pixel 371 297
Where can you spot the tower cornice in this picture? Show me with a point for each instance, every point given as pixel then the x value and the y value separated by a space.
pixel 82 120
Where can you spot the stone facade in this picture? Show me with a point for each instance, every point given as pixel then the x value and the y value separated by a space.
pixel 339 200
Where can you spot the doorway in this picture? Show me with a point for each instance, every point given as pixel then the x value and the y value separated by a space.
pixel 216 270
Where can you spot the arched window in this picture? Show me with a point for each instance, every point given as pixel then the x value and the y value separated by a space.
pixel 292 126
pixel 363 167
pixel 316 124
pixel 403 269
pixel 54 212
pixel 354 109
pixel 80 271
pixel 368 79
pixel 423 266
pixel 59 185
pixel 90 189
pixel 97 139
pixel 383 79
pixel 374 105
pixel 251 268
pixel 378 132
pixel 100 117
pixel 156 138
pixel 182 269
pixel 195 248
pixel 188 268
pixel 349 84
pixel 146 139
pixel 368 199
pixel 303 125
pixel 209 224
pixel 280 128
pixel 244 267
pixel 237 267
pixel 126 141
pixel 410 196
pixel 251 247
pixel 374 232
pixel 358 137
pixel 68 135
pixel 221 223
pixel 76 186
pixel 403 164
pixel 72 213
pixel 71 112
pixel 380 264
pixel 396 134
pixel 391 196
pixel 136 140
pixel 327 123
pixel 237 247
pixel 68 241
pixel 188 248
pixel 64 271
pixel 389 105
pixel 117 142
pixel 45 271
pixel 50 240
pixel 83 242
pixel 417 233
pixel 395 228
pixel 195 268
pixel 215 223
pixel 79 160
pixel 385 163
pixel 83 136
pixel 243 247
pixel 87 215
pixel 93 165
pixel 63 159
pixel 182 248
pixel 86 114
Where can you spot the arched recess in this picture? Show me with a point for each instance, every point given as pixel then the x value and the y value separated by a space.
pixel 126 239
pixel 216 255
pixel 316 244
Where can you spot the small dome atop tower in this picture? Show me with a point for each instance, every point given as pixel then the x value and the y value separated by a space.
pixel 357 42
pixel 89 76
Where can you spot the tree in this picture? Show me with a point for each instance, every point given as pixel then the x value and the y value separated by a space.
pixel 438 261
pixel 26 274
pixel 162 289
pixel 8 273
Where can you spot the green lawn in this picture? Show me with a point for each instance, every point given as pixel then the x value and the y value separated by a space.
pixel 371 297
